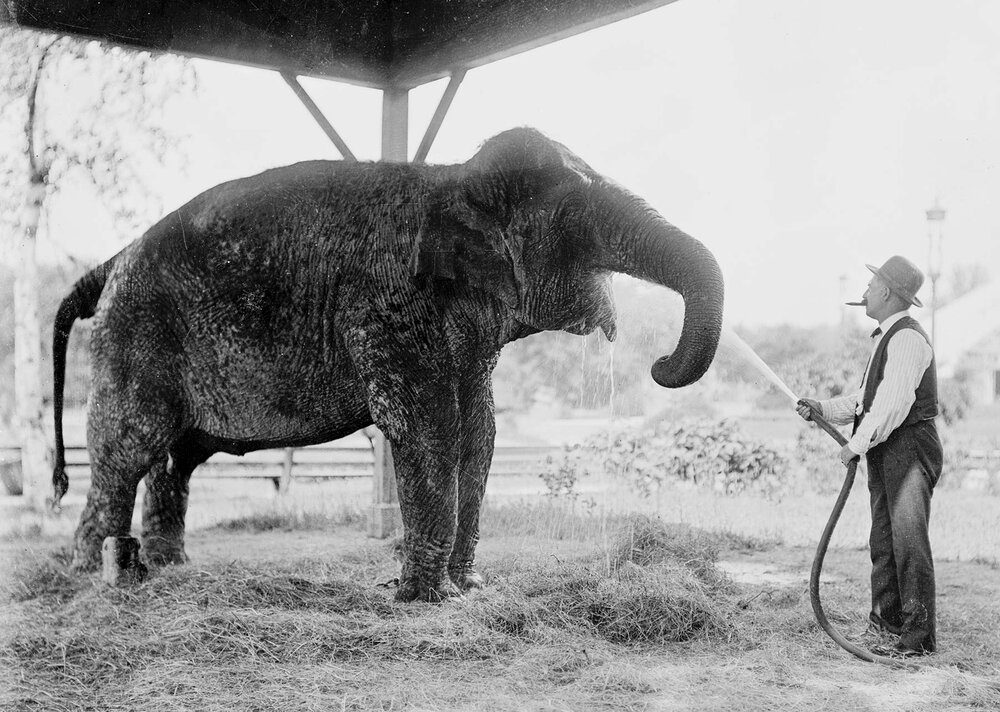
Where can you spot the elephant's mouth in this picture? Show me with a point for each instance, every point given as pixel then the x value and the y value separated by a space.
pixel 588 325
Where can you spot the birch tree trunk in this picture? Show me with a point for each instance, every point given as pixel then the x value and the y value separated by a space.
pixel 29 408
pixel 28 403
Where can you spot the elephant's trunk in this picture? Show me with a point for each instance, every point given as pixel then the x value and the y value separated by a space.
pixel 639 242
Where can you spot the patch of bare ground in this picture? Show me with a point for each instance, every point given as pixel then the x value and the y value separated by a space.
pixel 625 615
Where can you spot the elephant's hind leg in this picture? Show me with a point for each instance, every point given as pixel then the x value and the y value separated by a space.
pixel 108 512
pixel 110 502
pixel 164 506
pixel 125 445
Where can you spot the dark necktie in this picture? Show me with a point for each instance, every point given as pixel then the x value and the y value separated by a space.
pixel 878 330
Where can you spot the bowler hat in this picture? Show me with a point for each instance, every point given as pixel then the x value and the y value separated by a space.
pixel 901 277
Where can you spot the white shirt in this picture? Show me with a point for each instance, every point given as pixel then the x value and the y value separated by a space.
pixel 907 357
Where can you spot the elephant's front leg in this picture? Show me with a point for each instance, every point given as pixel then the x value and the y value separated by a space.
pixel 412 382
pixel 425 454
pixel 478 433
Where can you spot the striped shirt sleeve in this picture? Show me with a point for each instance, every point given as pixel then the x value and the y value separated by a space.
pixel 907 357
pixel 840 411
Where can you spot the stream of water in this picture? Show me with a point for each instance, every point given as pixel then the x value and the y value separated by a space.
pixel 732 341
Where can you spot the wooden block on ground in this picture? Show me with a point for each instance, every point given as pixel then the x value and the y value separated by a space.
pixel 120 556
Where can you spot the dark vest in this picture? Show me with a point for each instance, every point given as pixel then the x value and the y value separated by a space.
pixel 925 407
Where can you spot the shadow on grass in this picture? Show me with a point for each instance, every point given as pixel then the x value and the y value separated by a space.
pixel 292 519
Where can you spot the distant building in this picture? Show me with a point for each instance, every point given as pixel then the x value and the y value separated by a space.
pixel 967 340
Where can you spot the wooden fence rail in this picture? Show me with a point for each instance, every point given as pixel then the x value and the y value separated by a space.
pixel 330 461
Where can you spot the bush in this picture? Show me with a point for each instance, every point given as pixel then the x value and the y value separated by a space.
pixel 954 399
pixel 698 452
pixel 816 464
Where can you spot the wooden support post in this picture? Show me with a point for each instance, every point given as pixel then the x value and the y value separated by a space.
pixel 442 110
pixel 314 110
pixel 385 519
pixel 395 124
pixel 286 470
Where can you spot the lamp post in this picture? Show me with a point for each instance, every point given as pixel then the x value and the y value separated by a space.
pixel 935 236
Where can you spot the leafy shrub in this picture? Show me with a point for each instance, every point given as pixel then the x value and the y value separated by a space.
pixel 954 399
pixel 816 463
pixel 696 452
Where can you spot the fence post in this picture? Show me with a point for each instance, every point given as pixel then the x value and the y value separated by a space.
pixel 385 518
pixel 286 471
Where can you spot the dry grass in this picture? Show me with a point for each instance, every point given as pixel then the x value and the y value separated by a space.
pixel 72 638
pixel 585 607
pixel 634 615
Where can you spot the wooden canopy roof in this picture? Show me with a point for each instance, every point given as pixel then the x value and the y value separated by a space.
pixel 395 44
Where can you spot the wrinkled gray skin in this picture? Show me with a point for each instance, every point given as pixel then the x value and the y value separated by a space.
pixel 299 305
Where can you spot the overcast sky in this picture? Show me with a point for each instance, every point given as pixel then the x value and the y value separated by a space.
pixel 797 140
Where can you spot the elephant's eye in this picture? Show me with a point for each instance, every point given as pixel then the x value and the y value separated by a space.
pixel 571 205
pixel 571 220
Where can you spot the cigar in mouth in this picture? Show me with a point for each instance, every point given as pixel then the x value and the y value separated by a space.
pixel 862 303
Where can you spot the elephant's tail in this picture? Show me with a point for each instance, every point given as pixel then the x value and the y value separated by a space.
pixel 80 303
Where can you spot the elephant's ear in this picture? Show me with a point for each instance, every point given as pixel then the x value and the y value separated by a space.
pixel 520 169
pixel 451 250
pixel 516 178
pixel 475 227
pixel 434 254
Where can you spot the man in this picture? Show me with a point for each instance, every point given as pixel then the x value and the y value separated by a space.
pixel 893 415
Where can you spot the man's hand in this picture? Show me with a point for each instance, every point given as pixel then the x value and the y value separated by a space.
pixel 847 454
pixel 806 406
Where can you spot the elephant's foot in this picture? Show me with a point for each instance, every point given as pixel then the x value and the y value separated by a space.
pixel 108 513
pixel 465 577
pixel 413 589
pixel 86 556
pixel 425 578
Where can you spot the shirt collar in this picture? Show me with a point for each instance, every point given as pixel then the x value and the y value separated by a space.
pixel 892 319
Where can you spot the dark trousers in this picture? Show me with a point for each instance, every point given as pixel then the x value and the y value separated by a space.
pixel 902 473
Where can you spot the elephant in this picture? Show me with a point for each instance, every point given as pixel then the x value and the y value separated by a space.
pixel 302 304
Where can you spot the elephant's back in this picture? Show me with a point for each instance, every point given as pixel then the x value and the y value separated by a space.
pixel 266 267
pixel 310 210
pixel 327 192
pixel 277 257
